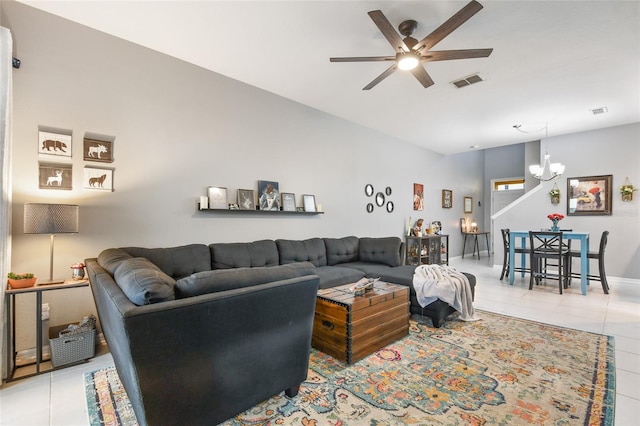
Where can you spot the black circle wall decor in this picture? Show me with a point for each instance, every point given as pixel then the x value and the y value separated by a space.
pixel 368 190
pixel 389 206
pixel 370 208
pixel 380 199
pixel 388 190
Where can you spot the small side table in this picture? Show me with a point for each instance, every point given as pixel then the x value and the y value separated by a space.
pixel 10 295
pixel 476 247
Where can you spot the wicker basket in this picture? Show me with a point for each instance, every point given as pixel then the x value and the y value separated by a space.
pixel 71 348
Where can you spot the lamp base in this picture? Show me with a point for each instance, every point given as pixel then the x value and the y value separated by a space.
pixel 50 282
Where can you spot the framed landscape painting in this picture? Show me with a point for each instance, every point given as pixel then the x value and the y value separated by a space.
pixel 589 195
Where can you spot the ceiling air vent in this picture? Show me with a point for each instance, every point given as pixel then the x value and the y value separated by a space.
pixel 466 81
pixel 597 111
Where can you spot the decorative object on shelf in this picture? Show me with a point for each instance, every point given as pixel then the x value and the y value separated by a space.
pixel 447 198
pixel 474 226
pixel 309 203
pixel 23 280
pixel 417 228
pixel 204 202
pixel 98 178
pixel 555 194
pixel 368 190
pixel 218 197
pixel 626 190
pixel 268 195
pixel 436 227
pixel 548 170
pixel 463 224
pixel 52 219
pixel 387 190
pixel 98 150
pixel 246 199
pixel 589 195
pixel 77 271
pixel 468 204
pixel 418 196
pixel 370 208
pixel 54 144
pixel 380 199
pixel 55 176
pixel 390 206
pixel 288 202
pixel 555 218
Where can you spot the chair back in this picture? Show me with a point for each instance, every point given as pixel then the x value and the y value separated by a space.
pixel 505 239
pixel 603 242
pixel 547 243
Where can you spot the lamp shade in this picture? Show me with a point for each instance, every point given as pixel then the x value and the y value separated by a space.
pixel 42 218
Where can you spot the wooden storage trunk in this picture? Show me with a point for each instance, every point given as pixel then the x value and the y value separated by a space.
pixel 350 327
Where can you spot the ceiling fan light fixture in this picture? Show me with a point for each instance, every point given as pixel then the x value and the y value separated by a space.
pixel 408 61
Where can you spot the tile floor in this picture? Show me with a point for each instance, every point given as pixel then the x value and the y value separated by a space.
pixel 58 398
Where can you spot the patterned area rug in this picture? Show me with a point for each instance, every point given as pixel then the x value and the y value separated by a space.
pixel 500 370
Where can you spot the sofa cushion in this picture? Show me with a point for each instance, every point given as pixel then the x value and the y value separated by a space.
pixel 341 250
pixel 178 261
pixel 331 276
pixel 380 250
pixel 143 282
pixel 111 259
pixel 230 278
pixel 244 255
pixel 311 250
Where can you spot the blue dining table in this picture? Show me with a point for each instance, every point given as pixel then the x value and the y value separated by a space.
pixel 583 237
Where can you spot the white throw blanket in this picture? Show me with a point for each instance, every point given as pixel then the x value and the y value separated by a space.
pixel 447 284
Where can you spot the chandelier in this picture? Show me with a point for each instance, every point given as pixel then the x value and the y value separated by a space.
pixel 547 170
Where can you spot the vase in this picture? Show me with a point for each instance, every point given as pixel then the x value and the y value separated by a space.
pixel 554 226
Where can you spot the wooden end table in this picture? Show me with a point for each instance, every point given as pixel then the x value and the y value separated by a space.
pixel 350 327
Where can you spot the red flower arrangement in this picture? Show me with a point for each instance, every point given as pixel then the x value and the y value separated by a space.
pixel 555 217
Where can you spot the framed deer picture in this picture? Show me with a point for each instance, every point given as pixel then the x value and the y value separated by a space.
pixel 55 176
pixel 95 150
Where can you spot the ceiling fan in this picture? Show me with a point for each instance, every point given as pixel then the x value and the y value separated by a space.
pixel 410 53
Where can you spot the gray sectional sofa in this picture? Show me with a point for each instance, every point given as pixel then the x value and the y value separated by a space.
pixel 203 332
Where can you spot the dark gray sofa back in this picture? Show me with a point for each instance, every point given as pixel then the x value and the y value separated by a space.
pixel 311 250
pixel 177 262
pixel 341 250
pixel 244 255
pixel 384 250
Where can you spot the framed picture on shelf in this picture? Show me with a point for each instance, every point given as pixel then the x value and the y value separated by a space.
pixel 447 198
pixel 589 195
pixel 468 204
pixel 55 176
pixel 309 203
pixel 288 202
pixel 246 200
pixel 98 179
pixel 218 198
pixel 54 144
pixel 268 195
pixel 95 150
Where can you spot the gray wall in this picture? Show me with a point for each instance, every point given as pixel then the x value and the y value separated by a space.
pixel 177 129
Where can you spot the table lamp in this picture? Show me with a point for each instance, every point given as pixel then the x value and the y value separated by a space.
pixel 50 219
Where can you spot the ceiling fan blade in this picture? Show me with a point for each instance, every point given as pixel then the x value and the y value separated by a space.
pixel 449 26
pixel 445 55
pixel 423 77
pixel 364 59
pixel 381 77
pixel 388 31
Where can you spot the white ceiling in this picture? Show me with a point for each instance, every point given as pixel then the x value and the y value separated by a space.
pixel 553 61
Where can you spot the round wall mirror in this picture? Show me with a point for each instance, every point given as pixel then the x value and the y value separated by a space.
pixel 388 190
pixel 389 206
pixel 368 189
pixel 370 208
pixel 380 199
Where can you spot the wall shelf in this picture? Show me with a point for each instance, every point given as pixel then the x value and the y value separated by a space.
pixel 256 212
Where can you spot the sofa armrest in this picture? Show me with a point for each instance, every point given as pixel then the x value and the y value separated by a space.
pixel 221 353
